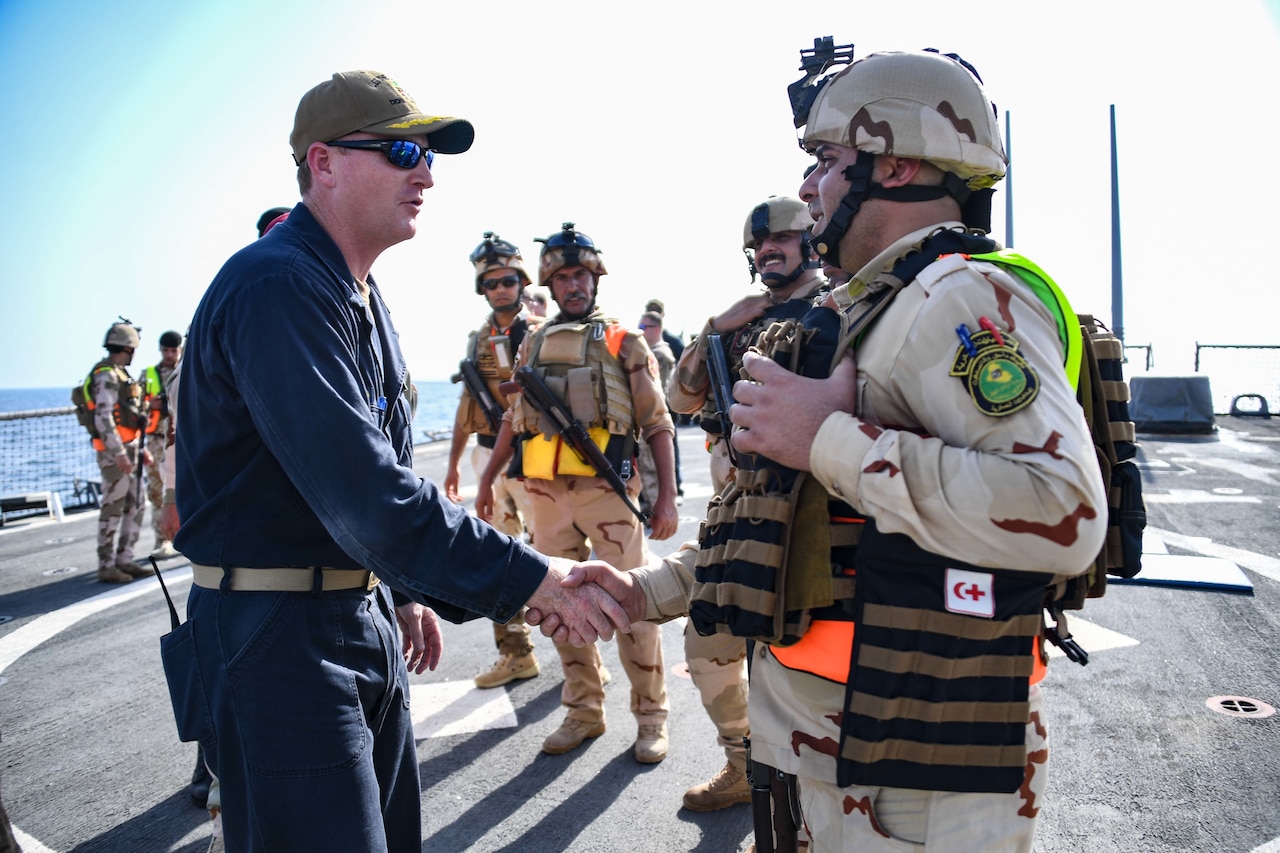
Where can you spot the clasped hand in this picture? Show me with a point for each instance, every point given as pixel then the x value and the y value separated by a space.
pixel 619 598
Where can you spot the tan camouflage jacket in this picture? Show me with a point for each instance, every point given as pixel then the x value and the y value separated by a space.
pixel 1015 491
pixel 105 390
pixel 1020 491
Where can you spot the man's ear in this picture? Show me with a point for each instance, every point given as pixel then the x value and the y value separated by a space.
pixel 320 159
pixel 898 171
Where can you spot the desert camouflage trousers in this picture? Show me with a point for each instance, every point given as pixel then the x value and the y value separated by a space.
pixel 155 483
pixel 512 515
pixel 574 516
pixel 121 511
pixel 718 667
pixel 892 820
pixel 717 664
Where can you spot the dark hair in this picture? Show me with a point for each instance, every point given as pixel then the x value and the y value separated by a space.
pixel 263 221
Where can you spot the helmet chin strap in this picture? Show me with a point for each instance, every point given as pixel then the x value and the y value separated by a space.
pixel 777 281
pixel 976 205
pixel 827 243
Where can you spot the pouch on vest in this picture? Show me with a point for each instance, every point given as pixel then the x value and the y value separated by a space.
pixel 937 696
pixel 84 412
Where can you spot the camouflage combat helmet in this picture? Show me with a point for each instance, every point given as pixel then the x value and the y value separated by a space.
pixel 568 248
pixel 494 253
pixel 775 214
pixel 122 334
pixel 917 104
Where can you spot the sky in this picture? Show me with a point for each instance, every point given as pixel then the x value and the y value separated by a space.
pixel 145 139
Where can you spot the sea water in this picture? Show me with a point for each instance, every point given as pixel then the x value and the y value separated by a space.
pixel 55 460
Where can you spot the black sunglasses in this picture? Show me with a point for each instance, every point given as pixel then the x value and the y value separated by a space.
pixel 400 152
pixel 504 281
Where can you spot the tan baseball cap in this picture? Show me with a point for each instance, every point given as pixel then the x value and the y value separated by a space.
pixel 371 102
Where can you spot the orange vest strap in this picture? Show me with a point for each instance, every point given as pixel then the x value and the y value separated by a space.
pixel 613 335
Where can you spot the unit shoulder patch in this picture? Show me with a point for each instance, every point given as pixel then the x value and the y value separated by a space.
pixel 999 380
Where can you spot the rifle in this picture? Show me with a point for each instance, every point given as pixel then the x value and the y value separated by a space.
pixel 479 391
pixel 722 391
pixel 575 435
pixel 773 807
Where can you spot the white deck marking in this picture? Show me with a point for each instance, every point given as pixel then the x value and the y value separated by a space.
pixel 1197 496
pixel 458 708
pixel 1092 638
pixel 29 844
pixel 35 632
pixel 1266 566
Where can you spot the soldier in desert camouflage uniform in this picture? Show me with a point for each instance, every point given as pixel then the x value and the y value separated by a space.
pixel 155 382
pixel 957 437
pixel 607 376
pixel 651 329
pixel 776 241
pixel 501 279
pixel 119 412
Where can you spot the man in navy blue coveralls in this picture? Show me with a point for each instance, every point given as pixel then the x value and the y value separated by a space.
pixel 300 507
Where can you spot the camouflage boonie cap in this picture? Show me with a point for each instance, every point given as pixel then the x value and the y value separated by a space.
pixel 911 104
pixel 774 215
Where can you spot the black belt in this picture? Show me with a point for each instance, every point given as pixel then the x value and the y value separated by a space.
pixel 489 441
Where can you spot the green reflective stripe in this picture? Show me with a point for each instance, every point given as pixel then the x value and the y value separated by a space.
pixel 153 382
pixel 1030 274
pixel 88 382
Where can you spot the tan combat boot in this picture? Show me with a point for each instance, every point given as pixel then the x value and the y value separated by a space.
pixel 508 669
pixel 570 735
pixel 651 743
pixel 133 570
pixel 113 575
pixel 727 788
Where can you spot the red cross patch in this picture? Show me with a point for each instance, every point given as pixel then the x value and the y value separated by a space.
pixel 971 593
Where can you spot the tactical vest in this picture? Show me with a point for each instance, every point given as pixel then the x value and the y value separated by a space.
pixel 482 351
pixel 736 344
pixel 937 693
pixel 580 363
pixel 129 412
pixel 935 697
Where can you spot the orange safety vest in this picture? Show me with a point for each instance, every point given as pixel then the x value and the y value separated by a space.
pixel 127 433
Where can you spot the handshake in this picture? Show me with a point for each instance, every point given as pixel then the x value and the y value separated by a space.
pixel 578 603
